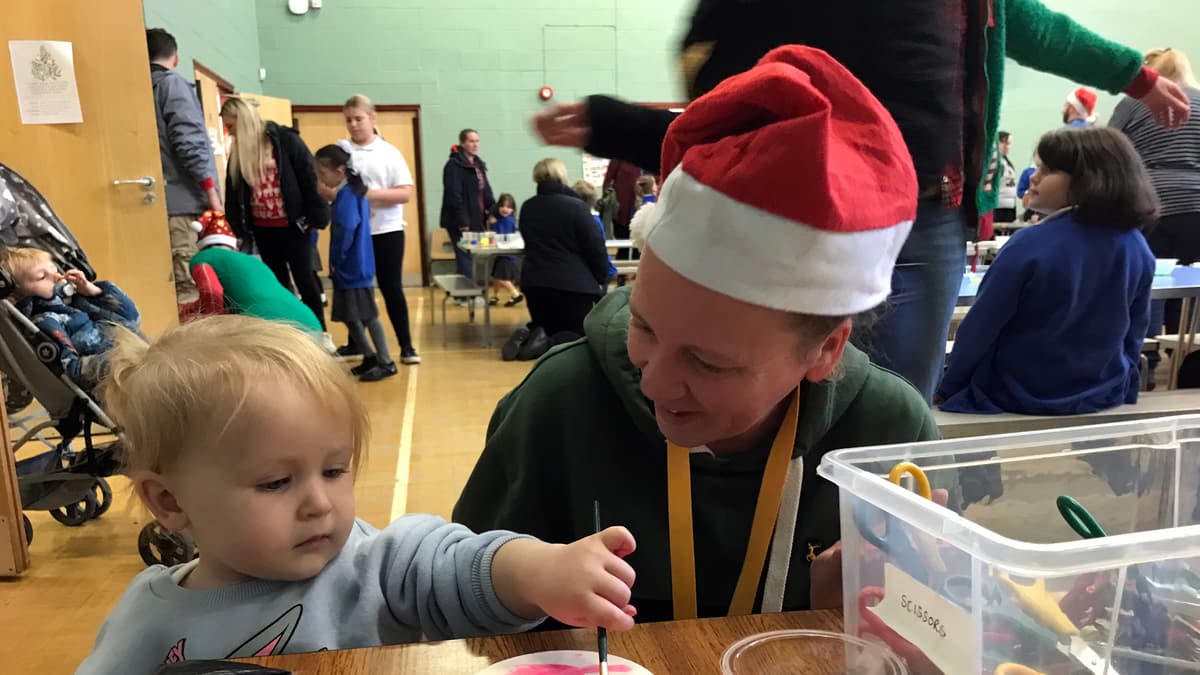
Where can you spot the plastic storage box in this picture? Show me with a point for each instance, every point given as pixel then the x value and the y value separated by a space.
pixel 1005 586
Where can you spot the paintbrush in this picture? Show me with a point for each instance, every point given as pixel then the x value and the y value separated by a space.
pixel 601 633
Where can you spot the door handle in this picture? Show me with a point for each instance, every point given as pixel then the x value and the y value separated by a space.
pixel 147 182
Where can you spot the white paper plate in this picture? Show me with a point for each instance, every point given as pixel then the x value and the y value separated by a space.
pixel 568 662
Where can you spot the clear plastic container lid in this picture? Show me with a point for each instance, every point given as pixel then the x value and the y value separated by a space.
pixel 809 652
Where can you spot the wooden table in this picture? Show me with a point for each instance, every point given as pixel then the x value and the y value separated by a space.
pixel 668 647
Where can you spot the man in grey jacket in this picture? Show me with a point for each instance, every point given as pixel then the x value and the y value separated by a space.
pixel 189 169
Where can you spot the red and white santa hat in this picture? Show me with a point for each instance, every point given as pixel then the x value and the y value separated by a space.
pixel 1083 101
pixel 214 231
pixel 789 186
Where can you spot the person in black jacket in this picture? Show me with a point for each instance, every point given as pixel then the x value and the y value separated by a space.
pixel 566 264
pixel 466 194
pixel 272 198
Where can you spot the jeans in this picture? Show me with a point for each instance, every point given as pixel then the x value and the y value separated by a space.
pixel 462 259
pixel 910 337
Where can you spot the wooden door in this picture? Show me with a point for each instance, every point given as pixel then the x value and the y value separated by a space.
pixel 211 90
pixel 277 110
pixel 74 165
pixel 398 128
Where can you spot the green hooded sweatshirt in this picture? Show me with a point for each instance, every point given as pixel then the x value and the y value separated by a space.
pixel 579 429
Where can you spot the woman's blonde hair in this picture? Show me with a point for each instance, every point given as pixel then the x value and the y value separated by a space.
pixel 359 102
pixel 1173 65
pixel 185 391
pixel 251 150
pixel 16 260
pixel 550 169
pixel 587 191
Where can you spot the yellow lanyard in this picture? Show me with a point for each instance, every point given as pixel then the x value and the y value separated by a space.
pixel 679 520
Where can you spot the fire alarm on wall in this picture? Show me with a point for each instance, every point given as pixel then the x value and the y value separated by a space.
pixel 546 93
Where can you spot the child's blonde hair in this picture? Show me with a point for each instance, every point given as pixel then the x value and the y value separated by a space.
pixel 645 186
pixel 359 102
pixel 587 191
pixel 1173 65
pixel 186 390
pixel 16 260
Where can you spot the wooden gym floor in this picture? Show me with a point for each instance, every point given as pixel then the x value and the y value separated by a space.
pixel 428 426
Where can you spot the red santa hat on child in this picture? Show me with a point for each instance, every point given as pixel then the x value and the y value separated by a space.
pixel 214 231
pixel 789 186
pixel 1083 101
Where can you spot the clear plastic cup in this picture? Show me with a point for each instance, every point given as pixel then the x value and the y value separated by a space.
pixel 809 652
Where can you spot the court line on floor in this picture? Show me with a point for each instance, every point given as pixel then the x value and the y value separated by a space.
pixel 404 456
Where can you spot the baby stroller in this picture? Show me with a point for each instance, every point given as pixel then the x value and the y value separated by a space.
pixel 70 484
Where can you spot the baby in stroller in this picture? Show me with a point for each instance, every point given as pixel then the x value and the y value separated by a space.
pixel 35 245
pixel 70 308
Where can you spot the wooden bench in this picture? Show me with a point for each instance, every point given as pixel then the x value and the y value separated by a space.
pixel 457 286
pixel 1149 405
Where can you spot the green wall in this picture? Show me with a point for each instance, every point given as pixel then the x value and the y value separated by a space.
pixel 221 34
pixel 470 63
pixel 474 64
pixel 1033 101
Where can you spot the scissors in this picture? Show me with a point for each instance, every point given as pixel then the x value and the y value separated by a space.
pixel 916 554
pixel 1079 518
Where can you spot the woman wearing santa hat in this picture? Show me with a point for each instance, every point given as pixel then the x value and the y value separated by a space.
pixel 703 397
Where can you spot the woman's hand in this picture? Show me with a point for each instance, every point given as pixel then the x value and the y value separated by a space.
pixel 584 583
pixel 565 124
pixel 327 193
pixel 1168 103
pixel 81 284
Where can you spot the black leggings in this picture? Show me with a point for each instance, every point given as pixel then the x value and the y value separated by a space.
pixel 284 248
pixel 389 272
pixel 559 313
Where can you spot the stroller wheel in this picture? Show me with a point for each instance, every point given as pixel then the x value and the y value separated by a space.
pixel 159 547
pixel 28 529
pixel 103 496
pixel 78 513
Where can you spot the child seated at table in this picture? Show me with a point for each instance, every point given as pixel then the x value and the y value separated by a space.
pixel 78 314
pixel 1057 325
pixel 244 435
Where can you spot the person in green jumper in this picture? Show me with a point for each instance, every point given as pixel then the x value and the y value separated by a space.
pixel 712 387
pixel 231 282
pixel 938 67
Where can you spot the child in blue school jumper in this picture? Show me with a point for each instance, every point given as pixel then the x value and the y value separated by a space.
pixel 352 263
pixel 590 195
pixel 1057 326
pixel 504 269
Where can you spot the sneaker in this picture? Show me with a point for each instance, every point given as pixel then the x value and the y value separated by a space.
pixel 348 350
pixel 409 358
pixel 327 344
pixel 378 372
pixel 367 364
pixel 515 300
pixel 494 300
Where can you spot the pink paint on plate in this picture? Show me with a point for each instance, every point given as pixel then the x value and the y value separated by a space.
pixel 563 662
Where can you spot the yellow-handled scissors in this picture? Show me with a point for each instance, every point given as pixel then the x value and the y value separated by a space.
pixel 924 543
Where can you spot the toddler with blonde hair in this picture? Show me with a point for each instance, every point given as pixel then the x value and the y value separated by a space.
pixel 244 435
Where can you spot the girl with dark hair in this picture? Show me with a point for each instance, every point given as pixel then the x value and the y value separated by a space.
pixel 1058 323
pixel 352 263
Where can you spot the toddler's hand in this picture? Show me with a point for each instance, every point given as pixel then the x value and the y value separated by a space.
pixel 584 583
pixel 81 283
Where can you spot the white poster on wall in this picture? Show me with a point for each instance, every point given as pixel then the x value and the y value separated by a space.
pixel 44 75
pixel 594 169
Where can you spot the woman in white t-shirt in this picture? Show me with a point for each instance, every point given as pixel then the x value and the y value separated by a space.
pixel 389 187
